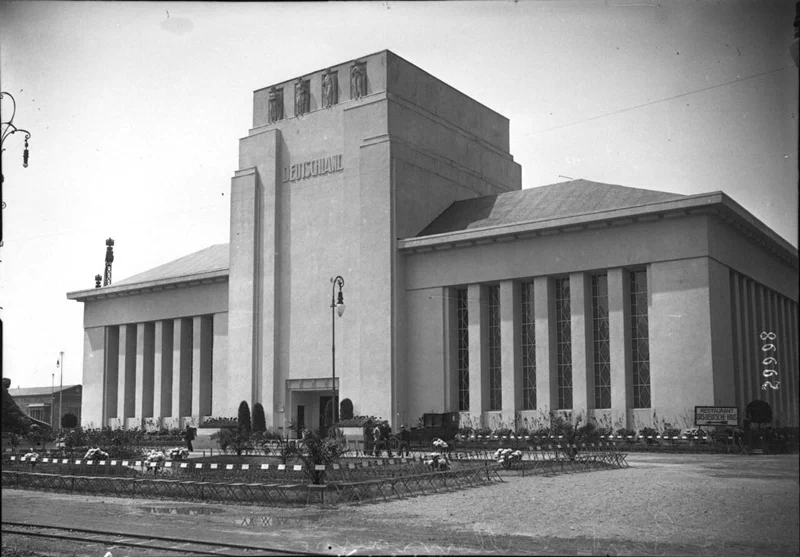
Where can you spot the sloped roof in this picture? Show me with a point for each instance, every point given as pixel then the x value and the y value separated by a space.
pixel 212 258
pixel 38 391
pixel 576 197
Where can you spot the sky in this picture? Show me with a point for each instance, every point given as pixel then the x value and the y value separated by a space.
pixel 135 111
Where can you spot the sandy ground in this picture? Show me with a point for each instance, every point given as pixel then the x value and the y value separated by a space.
pixel 720 505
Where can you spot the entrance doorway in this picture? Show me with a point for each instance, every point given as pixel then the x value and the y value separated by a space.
pixel 301 418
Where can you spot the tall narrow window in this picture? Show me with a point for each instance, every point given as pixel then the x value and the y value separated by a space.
pixel 528 345
pixel 563 343
pixel 462 331
pixel 495 382
pixel 602 356
pixel 640 342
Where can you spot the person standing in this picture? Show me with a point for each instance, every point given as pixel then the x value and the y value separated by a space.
pixel 377 436
pixel 405 441
pixel 189 437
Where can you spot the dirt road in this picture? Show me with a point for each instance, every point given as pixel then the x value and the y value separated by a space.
pixel 698 505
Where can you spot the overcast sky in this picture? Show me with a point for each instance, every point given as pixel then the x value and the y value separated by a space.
pixel 135 111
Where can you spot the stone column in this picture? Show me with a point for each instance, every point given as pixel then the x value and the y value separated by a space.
pixel 126 390
pixel 510 353
pixel 580 289
pixel 546 378
pixel 182 368
pixel 478 351
pixel 619 340
pixel 202 358
pixel 162 369
pixel 111 382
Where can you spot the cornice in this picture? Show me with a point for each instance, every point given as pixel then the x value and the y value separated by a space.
pixel 105 292
pixel 715 204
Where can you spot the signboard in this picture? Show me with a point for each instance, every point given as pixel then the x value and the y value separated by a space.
pixel 716 415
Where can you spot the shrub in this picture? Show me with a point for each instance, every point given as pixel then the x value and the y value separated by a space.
pixel 259 419
pixel 245 424
pixel 232 442
pixel 759 412
pixel 346 409
pixel 587 433
pixel 69 420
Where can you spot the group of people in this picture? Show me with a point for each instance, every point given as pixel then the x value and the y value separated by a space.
pixel 379 438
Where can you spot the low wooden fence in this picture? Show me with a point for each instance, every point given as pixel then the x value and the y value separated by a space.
pixel 343 485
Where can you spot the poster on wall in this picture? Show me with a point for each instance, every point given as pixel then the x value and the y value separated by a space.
pixel 716 415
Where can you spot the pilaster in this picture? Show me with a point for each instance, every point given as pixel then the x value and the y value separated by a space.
pixel 581 324
pixel 546 378
pixel 619 340
pixel 478 351
pixel 510 353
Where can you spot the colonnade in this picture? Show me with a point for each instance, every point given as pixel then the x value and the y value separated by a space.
pixel 159 369
pixel 557 369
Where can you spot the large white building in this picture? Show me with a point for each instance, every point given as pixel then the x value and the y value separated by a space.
pixel 463 291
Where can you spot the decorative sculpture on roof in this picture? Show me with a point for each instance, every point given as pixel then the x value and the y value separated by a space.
pixel 358 80
pixel 275 105
pixel 302 98
pixel 109 261
pixel 330 91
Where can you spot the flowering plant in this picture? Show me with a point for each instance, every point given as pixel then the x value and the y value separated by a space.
pixel 154 456
pixel 95 454
pixel 31 456
pixel 438 462
pixel 439 444
pixel 178 454
pixel 506 457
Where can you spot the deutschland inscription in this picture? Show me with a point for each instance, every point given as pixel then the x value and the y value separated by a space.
pixel 310 169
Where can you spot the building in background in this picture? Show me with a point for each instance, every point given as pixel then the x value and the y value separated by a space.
pixel 464 292
pixel 42 403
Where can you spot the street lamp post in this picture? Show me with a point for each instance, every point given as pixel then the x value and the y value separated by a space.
pixel 337 306
pixel 11 129
pixel 7 129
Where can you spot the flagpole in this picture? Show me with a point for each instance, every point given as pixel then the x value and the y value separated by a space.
pixel 61 392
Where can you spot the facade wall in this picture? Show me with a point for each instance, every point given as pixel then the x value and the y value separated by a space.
pixel 154 306
pixel 765 347
pixel 608 247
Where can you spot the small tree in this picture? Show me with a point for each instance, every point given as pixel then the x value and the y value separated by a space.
pixel 69 420
pixel 346 409
pixel 245 424
pixel 314 448
pixel 259 419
